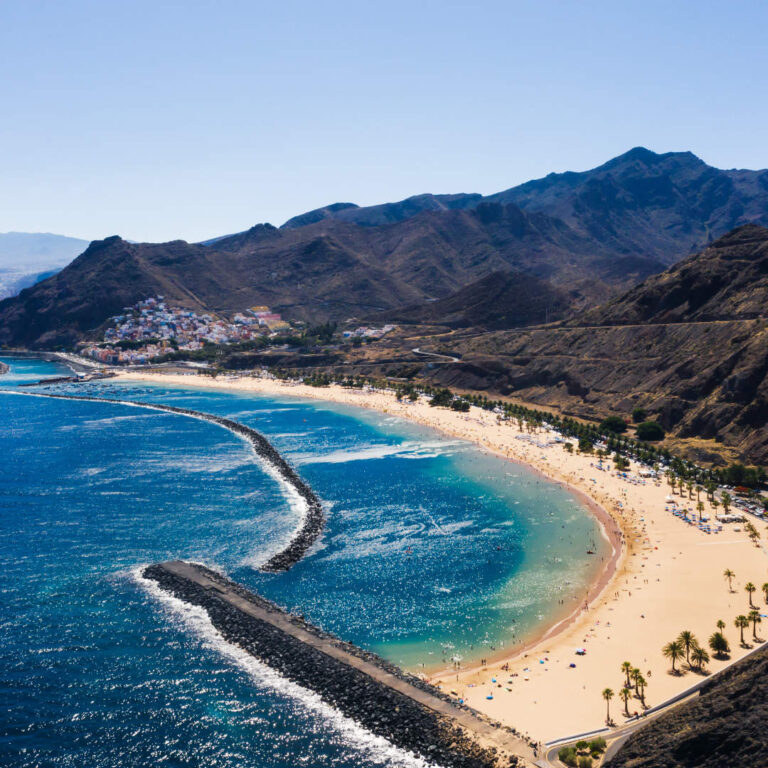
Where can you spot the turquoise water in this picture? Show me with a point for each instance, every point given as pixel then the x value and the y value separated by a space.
pixel 433 550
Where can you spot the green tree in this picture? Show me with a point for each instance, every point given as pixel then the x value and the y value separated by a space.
pixel 674 651
pixel 754 617
pixel 597 745
pixel 639 415
pixel 750 588
pixel 726 500
pixel 443 398
pixel 699 657
pixel 688 640
pixel 730 576
pixel 624 695
pixel 765 591
pixel 741 622
pixel 649 431
pixel 640 684
pixel 607 695
pixel 614 424
pixel 719 644
pixel 620 462
pixel 626 668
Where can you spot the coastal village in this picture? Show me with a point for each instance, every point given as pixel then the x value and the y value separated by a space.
pixel 151 329
pixel 164 329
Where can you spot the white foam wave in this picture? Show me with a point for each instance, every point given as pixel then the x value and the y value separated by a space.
pixel 406 450
pixel 196 619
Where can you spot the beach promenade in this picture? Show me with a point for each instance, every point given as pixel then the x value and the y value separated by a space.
pixel 665 577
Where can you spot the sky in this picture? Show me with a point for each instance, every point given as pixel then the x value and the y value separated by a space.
pixel 163 120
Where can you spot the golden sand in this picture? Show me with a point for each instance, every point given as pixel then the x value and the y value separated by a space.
pixel 666 577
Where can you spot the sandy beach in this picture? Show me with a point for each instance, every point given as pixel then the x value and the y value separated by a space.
pixel 665 576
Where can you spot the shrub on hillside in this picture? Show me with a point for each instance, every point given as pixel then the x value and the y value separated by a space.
pixel 614 424
pixel 650 430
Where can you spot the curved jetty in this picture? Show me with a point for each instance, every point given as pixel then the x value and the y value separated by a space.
pixel 403 709
pixel 313 517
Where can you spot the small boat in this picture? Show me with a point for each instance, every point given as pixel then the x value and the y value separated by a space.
pixel 590 552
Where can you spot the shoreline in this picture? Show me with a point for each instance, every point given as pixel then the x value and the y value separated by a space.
pixel 610 526
pixel 663 577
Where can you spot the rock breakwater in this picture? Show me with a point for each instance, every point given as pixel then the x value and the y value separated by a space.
pixel 382 698
pixel 313 517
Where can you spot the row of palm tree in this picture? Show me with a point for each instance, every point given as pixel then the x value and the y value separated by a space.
pixel 685 646
pixel 633 681
pixel 741 622
pixel 749 587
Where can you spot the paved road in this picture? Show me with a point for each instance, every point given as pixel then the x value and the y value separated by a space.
pixel 440 358
pixel 484 731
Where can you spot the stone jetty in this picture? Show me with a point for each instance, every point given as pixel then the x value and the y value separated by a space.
pixel 314 518
pixel 384 699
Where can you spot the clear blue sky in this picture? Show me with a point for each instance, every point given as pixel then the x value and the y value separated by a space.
pixel 157 120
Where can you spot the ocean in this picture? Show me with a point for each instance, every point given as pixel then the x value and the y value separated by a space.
pixel 434 550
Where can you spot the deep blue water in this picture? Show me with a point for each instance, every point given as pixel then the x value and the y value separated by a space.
pixel 433 549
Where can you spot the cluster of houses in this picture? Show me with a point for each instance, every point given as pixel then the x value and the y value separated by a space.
pixel 368 333
pixel 165 329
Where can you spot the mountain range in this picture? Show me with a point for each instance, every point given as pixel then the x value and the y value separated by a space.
pixel 589 236
pixel 559 291
pixel 28 257
pixel 689 346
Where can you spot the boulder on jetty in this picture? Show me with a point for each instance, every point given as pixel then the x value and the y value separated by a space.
pixel 382 698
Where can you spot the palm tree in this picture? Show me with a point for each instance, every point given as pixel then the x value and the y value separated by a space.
pixel 688 641
pixel 749 587
pixel 699 508
pixel 729 575
pixel 719 644
pixel 765 591
pixel 754 617
pixel 624 695
pixel 700 657
pixel 640 684
pixel 689 488
pixel 626 668
pixel 741 622
pixel 699 489
pixel 674 652
pixel 725 497
pixel 635 674
pixel 720 625
pixel 607 695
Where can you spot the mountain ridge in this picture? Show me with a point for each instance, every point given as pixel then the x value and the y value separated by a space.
pixel 586 244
